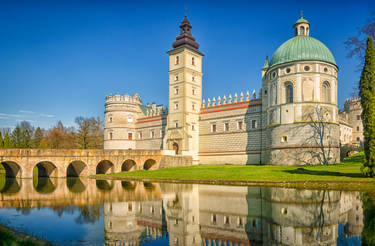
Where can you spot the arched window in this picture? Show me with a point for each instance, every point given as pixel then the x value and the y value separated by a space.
pixel 177 60
pixel 192 61
pixel 289 93
pixel 325 92
pixel 302 30
pixel 295 31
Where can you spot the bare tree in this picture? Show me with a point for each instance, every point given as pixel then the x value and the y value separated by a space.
pixel 319 141
pixel 357 44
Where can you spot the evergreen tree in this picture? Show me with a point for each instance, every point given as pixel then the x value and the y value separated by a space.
pixel 367 94
pixel 38 136
pixel 1 141
pixel 7 142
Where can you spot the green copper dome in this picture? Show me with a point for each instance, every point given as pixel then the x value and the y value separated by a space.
pixel 302 48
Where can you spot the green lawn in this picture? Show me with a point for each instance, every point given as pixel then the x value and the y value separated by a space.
pixel 348 170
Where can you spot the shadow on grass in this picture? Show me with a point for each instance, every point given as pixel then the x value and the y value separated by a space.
pixel 323 173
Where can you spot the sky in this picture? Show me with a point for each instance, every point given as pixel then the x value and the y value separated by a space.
pixel 59 59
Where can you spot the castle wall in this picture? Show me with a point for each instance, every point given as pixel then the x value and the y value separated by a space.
pixel 354 110
pixel 237 139
pixel 150 132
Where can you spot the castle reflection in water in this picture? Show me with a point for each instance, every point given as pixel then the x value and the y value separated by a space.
pixel 192 214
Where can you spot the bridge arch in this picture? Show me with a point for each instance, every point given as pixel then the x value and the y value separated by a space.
pixel 46 169
pixel 128 165
pixel 12 169
pixel 76 169
pixel 149 164
pixel 104 166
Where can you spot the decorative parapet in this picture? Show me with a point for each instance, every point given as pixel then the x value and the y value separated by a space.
pixel 228 100
pixel 123 99
pixel 154 110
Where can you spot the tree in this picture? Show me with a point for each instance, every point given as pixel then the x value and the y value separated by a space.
pixel 320 137
pixel 1 141
pixel 357 44
pixel 90 132
pixel 37 138
pixel 367 95
pixel 83 133
pixel 43 144
pixel 7 141
pixel 21 135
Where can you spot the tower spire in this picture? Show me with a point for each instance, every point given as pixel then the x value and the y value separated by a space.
pixel 185 38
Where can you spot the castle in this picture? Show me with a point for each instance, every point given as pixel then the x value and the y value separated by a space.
pixel 293 120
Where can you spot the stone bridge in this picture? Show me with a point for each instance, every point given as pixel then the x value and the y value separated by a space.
pixel 20 163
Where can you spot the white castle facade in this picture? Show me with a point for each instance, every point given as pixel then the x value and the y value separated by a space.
pixel 294 119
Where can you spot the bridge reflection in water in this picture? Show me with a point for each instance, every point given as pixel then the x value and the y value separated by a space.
pixel 191 214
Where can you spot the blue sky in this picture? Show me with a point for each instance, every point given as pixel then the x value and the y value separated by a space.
pixel 59 59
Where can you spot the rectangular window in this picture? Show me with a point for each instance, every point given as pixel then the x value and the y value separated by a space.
pixel 192 127
pixel 192 78
pixel 176 78
pixel 140 135
pixel 357 128
pixel 358 117
pixel 177 60
pixel 226 126
pixel 110 119
pixel 152 134
pixel 213 219
pixel 192 61
pixel 176 124
pixel 213 127
pixel 284 139
pixel 193 106
pixel 110 135
pixel 253 124
pixel 193 92
pixel 239 125
pixel 130 135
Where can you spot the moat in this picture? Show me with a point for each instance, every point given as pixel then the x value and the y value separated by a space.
pixel 79 211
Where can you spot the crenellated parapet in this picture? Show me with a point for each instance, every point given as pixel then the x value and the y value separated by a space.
pixel 226 100
pixel 123 99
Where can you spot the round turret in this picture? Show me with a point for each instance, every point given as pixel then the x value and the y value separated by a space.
pixel 120 115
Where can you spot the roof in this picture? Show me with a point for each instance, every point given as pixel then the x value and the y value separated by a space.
pixel 302 48
pixel 301 20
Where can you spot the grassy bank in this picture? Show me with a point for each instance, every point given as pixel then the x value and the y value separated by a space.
pixel 347 171
pixel 9 237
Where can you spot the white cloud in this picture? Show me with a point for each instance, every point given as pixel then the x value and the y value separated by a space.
pixel 47 115
pixel 31 121
pixel 10 115
pixel 26 111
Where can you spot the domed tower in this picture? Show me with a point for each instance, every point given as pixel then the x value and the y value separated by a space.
pixel 120 115
pixel 299 97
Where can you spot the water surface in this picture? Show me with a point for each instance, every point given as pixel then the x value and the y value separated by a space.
pixel 77 211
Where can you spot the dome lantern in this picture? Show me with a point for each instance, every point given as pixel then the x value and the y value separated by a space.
pixel 301 27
